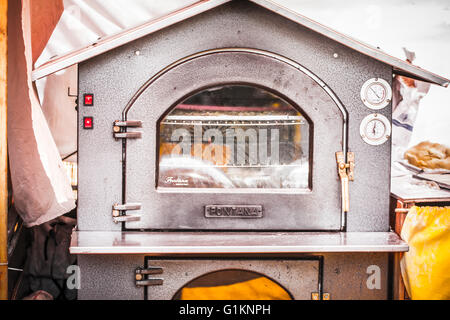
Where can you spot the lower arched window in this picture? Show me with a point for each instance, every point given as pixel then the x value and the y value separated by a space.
pixel 232 284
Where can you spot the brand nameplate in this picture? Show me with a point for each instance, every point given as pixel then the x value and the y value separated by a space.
pixel 233 211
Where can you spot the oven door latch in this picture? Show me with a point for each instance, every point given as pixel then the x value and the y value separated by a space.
pixel 119 129
pixel 142 279
pixel 346 174
pixel 119 215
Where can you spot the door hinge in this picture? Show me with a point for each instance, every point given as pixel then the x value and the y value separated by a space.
pixel 346 173
pixel 119 215
pixel 142 279
pixel 120 126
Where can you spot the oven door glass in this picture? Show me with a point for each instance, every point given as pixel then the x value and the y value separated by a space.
pixel 234 136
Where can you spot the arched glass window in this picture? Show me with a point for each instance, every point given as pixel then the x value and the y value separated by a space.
pixel 234 136
pixel 232 285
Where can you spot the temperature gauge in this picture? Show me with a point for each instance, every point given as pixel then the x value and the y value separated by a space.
pixel 375 129
pixel 376 93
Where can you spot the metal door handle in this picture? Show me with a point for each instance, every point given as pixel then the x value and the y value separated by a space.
pixel 126 218
pixel 141 280
pixel 127 206
pixel 118 217
pixel 128 135
pixel 344 193
pixel 346 173
pixel 149 282
pixel 149 270
pixel 128 123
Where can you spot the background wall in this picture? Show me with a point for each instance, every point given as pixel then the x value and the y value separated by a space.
pixel 422 26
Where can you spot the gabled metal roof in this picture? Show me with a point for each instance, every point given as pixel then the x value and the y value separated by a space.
pixel 103 45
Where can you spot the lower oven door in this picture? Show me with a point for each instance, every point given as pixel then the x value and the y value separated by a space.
pixel 239 279
pixel 234 139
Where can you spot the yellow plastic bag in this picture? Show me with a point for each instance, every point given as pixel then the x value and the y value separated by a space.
pixel 426 267
pixel 255 289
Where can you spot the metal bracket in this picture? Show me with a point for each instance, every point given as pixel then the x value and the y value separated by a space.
pixel 128 123
pixel 142 279
pixel 346 174
pixel 325 296
pixel 119 216
pixel 119 126
pixel 128 135
pixel 71 95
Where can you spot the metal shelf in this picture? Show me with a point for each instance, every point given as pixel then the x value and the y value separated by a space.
pixel 157 243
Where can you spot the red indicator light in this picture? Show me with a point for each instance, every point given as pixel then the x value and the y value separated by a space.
pixel 88 123
pixel 88 99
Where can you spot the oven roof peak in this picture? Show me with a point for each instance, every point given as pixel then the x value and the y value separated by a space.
pixel 103 45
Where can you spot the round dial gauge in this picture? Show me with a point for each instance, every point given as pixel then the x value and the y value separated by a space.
pixel 375 129
pixel 376 93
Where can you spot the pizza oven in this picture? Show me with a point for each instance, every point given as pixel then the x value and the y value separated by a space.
pixel 234 141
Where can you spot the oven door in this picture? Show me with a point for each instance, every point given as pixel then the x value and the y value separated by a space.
pixel 234 139
pixel 233 279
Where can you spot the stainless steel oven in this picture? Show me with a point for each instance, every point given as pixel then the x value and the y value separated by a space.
pixel 234 143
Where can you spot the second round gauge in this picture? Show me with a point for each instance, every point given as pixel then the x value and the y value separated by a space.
pixel 375 129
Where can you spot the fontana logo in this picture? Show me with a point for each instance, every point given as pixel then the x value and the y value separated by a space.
pixel 177 181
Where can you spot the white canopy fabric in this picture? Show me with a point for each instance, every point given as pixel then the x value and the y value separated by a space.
pixel 83 22
pixel 389 25
pixel 41 188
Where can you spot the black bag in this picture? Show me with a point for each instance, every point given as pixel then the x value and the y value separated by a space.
pixel 49 257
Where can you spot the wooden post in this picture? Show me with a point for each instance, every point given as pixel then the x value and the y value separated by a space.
pixel 399 286
pixel 3 153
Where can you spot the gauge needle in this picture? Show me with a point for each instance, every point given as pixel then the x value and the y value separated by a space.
pixel 375 93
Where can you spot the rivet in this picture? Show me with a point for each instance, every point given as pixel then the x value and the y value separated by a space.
pixel 335 55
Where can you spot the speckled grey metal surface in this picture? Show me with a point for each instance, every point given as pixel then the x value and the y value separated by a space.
pixel 115 76
pixel 109 277
pixel 344 276
pixel 293 210
pixel 300 278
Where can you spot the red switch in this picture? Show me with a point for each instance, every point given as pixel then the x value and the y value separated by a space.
pixel 88 122
pixel 88 99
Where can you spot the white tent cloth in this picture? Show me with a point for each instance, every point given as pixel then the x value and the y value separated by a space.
pixel 43 129
pixel 82 23
pixel 384 24
pixel 41 187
